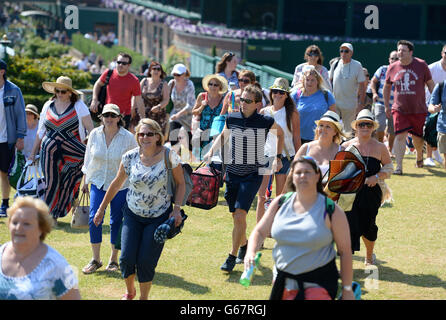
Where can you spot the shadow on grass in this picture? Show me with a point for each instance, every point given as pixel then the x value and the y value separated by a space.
pixel 66 226
pixel 173 281
pixel 437 172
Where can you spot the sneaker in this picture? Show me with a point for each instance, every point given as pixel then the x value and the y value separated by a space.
pixel 437 156
pixel 241 254
pixel 372 262
pixel 429 162
pixel 229 263
pixel 3 213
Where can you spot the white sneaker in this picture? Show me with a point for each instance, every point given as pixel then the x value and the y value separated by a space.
pixel 437 156
pixel 429 162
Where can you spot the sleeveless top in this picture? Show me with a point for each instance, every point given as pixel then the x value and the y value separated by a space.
pixel 303 241
pixel 152 98
pixel 208 114
pixel 324 167
pixel 280 118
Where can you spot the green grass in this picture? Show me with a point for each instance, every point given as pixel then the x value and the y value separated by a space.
pixel 409 250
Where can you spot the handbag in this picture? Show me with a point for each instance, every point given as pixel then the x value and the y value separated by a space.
pixel 81 213
pixel 31 182
pixel 15 171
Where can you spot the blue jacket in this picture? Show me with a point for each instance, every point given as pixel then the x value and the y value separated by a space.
pixel 14 112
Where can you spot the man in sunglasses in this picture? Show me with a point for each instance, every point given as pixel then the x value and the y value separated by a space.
pixel 12 130
pixel 348 82
pixel 122 86
pixel 408 76
pixel 378 81
pixel 244 138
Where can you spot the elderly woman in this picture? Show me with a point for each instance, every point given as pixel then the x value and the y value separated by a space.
pixel 183 99
pixel 312 100
pixel 327 139
pixel 61 139
pixel 313 57
pixel 304 229
pixel 155 94
pixel 30 269
pixel 148 205
pixel 231 102
pixel 226 68
pixel 106 145
pixel 209 105
pixel 362 216
pixel 285 115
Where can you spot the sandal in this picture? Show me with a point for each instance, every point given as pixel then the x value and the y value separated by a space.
pixel 128 296
pixel 112 266
pixel 91 267
pixel 398 172
pixel 419 164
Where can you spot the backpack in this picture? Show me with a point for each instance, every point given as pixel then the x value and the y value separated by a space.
pixel 187 171
pixel 329 204
pixel 102 97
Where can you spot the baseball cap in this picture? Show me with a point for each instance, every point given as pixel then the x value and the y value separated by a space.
pixel 179 69
pixel 347 45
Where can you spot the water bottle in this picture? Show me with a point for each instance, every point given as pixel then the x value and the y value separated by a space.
pixel 245 279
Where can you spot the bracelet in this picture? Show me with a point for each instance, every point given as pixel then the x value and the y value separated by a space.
pixel 377 177
pixel 347 288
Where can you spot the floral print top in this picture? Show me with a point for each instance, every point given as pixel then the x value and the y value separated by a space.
pixel 147 195
pixel 51 279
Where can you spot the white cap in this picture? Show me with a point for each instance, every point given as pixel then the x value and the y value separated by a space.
pixel 347 45
pixel 178 69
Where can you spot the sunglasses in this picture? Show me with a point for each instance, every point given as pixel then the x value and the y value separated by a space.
pixel 177 75
pixel 110 115
pixel 344 51
pixel 246 81
pixel 367 75
pixel 60 91
pixel 156 68
pixel 275 91
pixel 365 124
pixel 124 63
pixel 313 54
pixel 247 101
pixel 213 84
pixel 146 134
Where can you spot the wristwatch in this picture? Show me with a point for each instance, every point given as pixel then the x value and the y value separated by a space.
pixel 279 156
pixel 347 288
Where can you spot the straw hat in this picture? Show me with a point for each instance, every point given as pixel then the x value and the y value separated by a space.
pixel 365 115
pixel 33 109
pixel 281 84
pixel 222 80
pixel 62 82
pixel 332 117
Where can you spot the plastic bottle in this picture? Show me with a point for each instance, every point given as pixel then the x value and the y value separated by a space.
pixel 245 279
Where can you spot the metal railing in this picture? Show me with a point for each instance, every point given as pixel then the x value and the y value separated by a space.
pixel 202 65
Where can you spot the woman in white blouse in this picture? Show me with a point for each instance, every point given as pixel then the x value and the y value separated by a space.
pixel 148 205
pixel 105 147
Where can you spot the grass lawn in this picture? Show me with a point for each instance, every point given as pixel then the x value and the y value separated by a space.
pixel 410 250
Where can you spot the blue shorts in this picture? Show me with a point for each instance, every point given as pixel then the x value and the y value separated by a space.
pixel 285 165
pixel 241 190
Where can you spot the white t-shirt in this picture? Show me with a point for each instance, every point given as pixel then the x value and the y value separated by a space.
pixel 438 76
pixel 51 279
pixel 147 195
pixel 3 131
pixel 346 80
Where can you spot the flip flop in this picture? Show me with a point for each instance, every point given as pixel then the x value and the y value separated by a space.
pixel 112 266
pixel 128 296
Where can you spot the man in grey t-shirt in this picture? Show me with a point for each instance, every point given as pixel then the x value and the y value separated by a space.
pixel 349 82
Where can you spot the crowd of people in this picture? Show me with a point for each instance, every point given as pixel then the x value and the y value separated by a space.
pixel 285 135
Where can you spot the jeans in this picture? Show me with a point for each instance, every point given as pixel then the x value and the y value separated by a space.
pixel 139 251
pixel 96 197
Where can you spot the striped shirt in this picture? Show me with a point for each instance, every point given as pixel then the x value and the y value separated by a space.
pixel 247 142
pixel 380 74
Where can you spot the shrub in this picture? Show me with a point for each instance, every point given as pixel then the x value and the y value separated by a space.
pixel 37 48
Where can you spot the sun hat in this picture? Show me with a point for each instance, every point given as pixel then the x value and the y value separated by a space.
pixel 111 108
pixel 222 80
pixel 33 109
pixel 347 45
pixel 62 82
pixel 365 115
pixel 179 68
pixel 281 84
pixel 332 117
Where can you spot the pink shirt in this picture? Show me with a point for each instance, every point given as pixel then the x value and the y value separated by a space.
pixel 409 82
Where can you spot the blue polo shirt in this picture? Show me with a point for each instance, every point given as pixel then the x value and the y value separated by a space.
pixel 436 99
pixel 247 142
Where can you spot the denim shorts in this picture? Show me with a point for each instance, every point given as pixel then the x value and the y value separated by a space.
pixel 285 165
pixel 241 190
